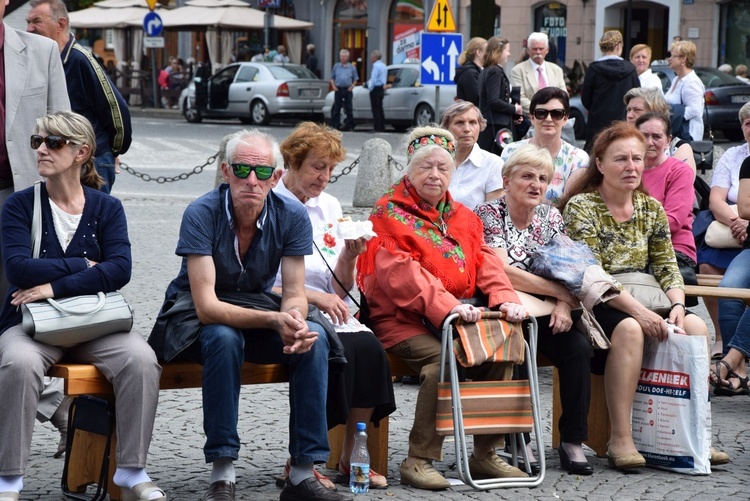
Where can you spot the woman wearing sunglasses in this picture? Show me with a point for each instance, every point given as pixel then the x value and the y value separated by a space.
pixel 84 250
pixel 549 111
pixel 363 391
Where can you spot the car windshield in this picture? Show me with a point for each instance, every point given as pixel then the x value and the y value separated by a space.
pixel 715 78
pixel 288 72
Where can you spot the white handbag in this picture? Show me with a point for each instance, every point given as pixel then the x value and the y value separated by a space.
pixel 69 321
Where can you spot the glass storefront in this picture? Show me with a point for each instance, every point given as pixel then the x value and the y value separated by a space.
pixel 734 32
pixel 551 19
pixel 406 24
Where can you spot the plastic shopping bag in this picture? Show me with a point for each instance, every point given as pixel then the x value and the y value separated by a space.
pixel 671 410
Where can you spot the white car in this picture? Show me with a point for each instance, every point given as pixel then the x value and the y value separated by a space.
pixel 406 103
pixel 254 92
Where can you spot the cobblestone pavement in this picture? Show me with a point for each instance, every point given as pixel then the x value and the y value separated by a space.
pixel 176 460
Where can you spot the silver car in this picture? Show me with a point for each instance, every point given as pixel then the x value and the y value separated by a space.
pixel 254 92
pixel 405 104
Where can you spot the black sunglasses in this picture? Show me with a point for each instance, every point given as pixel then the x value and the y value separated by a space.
pixel 541 114
pixel 52 142
pixel 262 172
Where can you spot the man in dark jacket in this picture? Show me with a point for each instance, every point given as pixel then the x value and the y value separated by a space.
pixel 605 84
pixel 90 90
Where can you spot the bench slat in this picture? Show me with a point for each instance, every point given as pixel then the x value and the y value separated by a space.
pixel 84 379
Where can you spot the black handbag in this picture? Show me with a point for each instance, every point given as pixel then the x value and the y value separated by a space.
pixel 703 152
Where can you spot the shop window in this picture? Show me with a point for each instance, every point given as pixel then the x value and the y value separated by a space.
pixel 551 19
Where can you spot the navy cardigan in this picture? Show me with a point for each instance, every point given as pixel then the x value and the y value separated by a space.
pixel 102 236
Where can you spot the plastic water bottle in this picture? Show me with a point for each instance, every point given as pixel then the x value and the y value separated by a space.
pixel 359 473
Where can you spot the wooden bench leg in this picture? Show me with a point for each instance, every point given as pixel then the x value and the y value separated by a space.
pixel 598 419
pixel 599 428
pixel 85 462
pixel 377 446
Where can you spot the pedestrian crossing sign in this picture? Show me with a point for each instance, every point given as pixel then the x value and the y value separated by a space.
pixel 441 18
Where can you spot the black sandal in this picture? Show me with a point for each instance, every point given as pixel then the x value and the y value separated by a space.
pixel 723 386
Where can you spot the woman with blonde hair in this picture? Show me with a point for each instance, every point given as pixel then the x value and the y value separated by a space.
pixel 515 227
pixel 687 88
pixel 605 84
pixel 84 248
pixel 467 75
pixel 640 56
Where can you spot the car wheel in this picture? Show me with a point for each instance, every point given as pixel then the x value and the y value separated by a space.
pixel 733 134
pixel 259 113
pixel 424 115
pixel 579 127
pixel 192 115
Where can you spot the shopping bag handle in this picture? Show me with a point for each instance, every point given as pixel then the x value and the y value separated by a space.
pixel 80 311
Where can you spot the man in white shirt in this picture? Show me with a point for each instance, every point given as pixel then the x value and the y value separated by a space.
pixel 535 73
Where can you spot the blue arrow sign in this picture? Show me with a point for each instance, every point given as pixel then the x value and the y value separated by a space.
pixel 152 24
pixel 439 57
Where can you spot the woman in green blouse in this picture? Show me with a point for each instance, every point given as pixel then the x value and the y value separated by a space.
pixel 628 231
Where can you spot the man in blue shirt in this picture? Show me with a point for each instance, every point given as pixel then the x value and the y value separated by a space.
pixel 91 92
pixel 232 241
pixel 377 85
pixel 344 77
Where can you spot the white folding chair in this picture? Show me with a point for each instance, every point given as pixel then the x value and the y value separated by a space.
pixel 514 420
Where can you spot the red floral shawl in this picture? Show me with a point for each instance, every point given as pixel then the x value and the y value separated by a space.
pixel 446 240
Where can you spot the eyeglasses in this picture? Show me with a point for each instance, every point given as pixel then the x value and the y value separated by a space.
pixel 52 142
pixel 669 54
pixel 541 114
pixel 262 172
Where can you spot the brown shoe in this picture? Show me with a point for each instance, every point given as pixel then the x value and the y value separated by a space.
pixel 625 461
pixel 221 490
pixel 422 475
pixel 493 467
pixel 718 457
pixel 310 488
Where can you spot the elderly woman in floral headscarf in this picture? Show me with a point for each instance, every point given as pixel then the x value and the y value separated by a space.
pixel 429 254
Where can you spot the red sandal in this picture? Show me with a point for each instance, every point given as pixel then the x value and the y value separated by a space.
pixel 380 482
pixel 327 483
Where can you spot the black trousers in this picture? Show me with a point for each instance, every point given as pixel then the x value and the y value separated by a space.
pixel 376 103
pixel 570 353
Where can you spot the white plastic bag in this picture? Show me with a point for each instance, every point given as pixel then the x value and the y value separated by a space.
pixel 671 410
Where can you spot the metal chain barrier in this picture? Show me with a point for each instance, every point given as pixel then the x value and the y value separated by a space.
pixel 163 179
pixel 395 163
pixel 344 172
pixel 199 168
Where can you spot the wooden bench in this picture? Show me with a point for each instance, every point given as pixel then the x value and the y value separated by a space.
pixel 83 379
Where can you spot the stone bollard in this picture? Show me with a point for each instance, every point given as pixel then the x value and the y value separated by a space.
pixel 374 174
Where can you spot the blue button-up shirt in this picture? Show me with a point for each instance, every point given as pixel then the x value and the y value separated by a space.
pixel 379 75
pixel 208 229
pixel 344 76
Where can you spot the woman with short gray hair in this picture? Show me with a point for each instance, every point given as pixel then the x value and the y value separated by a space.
pixel 477 178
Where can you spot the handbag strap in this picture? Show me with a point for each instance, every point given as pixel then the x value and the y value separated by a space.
pixel 335 277
pixel 36 221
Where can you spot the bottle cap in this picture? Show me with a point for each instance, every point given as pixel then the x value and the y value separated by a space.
pixel 361 426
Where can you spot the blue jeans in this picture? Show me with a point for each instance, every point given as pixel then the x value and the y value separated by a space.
pixel 105 166
pixel 342 96
pixel 223 350
pixel 734 316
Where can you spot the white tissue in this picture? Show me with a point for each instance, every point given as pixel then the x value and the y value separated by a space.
pixel 352 230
